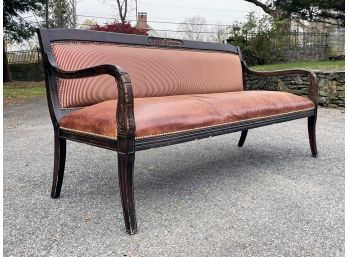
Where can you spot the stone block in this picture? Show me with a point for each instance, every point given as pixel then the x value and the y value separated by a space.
pixel 282 86
pixel 298 80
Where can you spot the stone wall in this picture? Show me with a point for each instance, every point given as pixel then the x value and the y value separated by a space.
pixel 335 42
pixel 331 86
pixel 306 54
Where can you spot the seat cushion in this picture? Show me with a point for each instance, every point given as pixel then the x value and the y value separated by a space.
pixel 155 116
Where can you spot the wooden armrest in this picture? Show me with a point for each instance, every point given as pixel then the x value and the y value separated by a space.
pixel 108 69
pixel 313 90
pixel 125 102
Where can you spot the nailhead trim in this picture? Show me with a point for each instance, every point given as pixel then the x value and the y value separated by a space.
pixel 60 103
pixel 87 133
pixel 181 131
pixel 222 124
pixel 58 90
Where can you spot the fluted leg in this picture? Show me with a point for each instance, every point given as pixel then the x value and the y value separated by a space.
pixel 126 157
pixel 59 165
pixel 242 138
pixel 311 133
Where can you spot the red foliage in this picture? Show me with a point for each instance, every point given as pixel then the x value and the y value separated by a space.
pixel 119 28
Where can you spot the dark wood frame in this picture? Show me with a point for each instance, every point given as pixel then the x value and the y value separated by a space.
pixel 126 143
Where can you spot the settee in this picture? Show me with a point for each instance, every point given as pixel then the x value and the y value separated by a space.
pixel 129 93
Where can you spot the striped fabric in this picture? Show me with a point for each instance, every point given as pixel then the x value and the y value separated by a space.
pixel 153 71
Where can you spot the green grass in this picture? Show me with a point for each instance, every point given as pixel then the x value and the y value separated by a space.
pixel 20 90
pixel 16 91
pixel 313 65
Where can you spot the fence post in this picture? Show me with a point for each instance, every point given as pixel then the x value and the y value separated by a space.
pixel 327 45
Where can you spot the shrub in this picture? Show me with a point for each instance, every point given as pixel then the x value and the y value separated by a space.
pixel 261 38
pixel 27 71
pixel 119 27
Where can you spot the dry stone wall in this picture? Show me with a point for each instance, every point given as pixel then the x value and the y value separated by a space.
pixel 331 86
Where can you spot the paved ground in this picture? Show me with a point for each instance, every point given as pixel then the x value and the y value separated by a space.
pixel 203 198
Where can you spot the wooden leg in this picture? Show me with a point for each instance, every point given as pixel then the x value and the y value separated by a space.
pixel 126 156
pixel 242 138
pixel 59 164
pixel 311 133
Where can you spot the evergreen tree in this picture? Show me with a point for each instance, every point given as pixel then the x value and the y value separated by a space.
pixel 16 28
pixel 59 14
pixel 329 11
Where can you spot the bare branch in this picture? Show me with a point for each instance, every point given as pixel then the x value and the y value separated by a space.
pixel 120 10
pixel 194 28
pixel 125 9
pixel 264 7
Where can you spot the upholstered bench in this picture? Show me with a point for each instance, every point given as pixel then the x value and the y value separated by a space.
pixel 128 93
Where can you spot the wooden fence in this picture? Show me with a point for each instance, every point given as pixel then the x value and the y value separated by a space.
pixel 25 56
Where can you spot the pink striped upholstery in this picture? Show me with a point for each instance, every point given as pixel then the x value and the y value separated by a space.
pixel 153 71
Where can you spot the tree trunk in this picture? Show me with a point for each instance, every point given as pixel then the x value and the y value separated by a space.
pixel 278 14
pixel 46 13
pixel 122 10
pixel 7 72
pixel 74 18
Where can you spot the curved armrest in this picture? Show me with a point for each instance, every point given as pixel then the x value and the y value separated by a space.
pixel 125 102
pixel 109 69
pixel 313 90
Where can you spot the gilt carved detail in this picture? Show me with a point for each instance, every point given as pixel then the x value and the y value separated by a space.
pixel 164 42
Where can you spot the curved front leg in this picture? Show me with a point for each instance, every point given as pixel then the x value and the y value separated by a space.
pixel 126 149
pixel 126 155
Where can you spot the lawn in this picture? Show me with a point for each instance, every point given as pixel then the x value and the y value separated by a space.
pixel 17 91
pixel 313 65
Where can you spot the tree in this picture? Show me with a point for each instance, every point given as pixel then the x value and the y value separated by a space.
pixel 7 71
pixel 119 27
pixel 219 34
pixel 16 28
pixel 59 13
pixel 329 11
pixel 194 28
pixel 88 23
pixel 273 8
pixel 73 4
pixel 122 9
pixel 259 38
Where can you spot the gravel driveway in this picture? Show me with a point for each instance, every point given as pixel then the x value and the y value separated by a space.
pixel 202 198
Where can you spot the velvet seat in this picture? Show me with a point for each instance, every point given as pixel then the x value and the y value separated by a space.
pixel 156 116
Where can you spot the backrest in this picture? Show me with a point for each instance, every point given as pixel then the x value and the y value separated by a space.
pixel 157 67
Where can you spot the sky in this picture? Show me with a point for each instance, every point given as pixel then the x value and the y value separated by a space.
pixel 218 11
pixel 159 13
